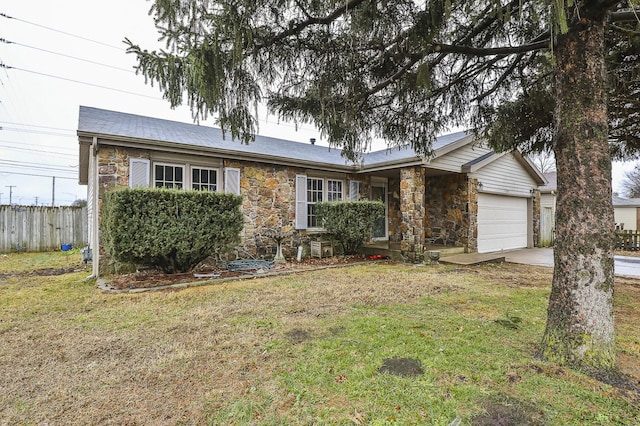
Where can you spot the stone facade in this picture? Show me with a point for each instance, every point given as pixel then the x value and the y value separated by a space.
pixel 412 181
pixel 451 211
pixel 268 205
pixel 422 209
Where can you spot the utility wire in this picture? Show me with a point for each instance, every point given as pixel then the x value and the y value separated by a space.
pixel 38 132
pixel 53 153
pixel 3 15
pixel 2 40
pixel 33 164
pixel 79 82
pixel 35 125
pixel 32 174
pixel 44 146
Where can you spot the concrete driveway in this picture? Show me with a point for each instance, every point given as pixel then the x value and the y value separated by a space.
pixel 625 266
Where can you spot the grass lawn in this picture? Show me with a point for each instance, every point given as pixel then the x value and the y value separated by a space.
pixel 303 349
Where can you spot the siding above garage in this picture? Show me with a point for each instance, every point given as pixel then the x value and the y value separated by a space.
pixel 505 175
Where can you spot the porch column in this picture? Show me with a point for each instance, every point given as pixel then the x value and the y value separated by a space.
pixel 412 209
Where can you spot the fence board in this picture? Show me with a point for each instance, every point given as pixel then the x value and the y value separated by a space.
pixel 628 240
pixel 41 228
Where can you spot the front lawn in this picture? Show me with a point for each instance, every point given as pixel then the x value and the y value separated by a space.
pixel 299 349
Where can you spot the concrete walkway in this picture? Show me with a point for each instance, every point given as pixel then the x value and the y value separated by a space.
pixel 625 266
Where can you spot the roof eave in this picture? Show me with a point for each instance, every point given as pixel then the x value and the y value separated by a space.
pixel 155 145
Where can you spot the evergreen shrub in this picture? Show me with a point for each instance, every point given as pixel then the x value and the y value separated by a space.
pixel 350 222
pixel 172 230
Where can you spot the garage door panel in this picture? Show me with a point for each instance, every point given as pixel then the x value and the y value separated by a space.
pixel 502 223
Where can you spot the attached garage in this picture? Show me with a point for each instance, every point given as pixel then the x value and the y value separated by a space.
pixel 502 222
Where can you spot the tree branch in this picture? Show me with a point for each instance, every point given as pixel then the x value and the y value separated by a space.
pixel 297 28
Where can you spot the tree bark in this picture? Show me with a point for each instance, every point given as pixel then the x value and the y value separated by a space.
pixel 580 322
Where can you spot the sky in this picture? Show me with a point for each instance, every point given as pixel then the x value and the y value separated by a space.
pixel 58 55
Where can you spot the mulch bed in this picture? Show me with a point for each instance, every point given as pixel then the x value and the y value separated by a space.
pixel 151 278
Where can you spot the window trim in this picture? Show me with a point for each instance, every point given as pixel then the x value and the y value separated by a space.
pixel 187 170
pixel 185 184
pixel 209 169
pixel 302 202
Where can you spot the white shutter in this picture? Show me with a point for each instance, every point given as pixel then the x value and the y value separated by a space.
pixel 139 172
pixel 354 190
pixel 232 180
pixel 301 202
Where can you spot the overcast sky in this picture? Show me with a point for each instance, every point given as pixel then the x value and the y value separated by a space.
pixel 66 53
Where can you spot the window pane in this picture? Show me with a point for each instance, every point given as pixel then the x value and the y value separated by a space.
pixel 167 176
pixel 204 179
pixel 334 190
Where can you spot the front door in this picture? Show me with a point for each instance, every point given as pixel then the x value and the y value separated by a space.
pixel 379 193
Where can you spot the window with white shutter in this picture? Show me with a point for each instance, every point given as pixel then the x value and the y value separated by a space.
pixel 232 180
pixel 301 202
pixel 139 172
pixel 354 190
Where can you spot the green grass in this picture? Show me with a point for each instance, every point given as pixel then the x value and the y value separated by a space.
pixel 303 350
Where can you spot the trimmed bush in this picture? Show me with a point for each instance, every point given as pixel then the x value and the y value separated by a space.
pixel 171 230
pixel 350 222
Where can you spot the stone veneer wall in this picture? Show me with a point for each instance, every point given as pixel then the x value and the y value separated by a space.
pixel 536 218
pixel 451 211
pixel 268 193
pixel 268 205
pixel 412 186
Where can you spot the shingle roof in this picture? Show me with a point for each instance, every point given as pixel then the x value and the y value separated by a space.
pixel 625 202
pixel 115 124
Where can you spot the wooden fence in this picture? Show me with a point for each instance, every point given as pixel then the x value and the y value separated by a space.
pixel 628 240
pixel 40 228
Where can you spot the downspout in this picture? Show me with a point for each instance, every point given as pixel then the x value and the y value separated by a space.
pixel 95 201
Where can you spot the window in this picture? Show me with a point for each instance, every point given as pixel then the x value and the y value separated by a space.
pixel 178 176
pixel 314 195
pixel 168 176
pixel 312 190
pixel 334 190
pixel 204 179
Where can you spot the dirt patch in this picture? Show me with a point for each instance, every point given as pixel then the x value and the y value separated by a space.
pixel 46 272
pixel 151 278
pixel 509 412
pixel 298 335
pixel 406 367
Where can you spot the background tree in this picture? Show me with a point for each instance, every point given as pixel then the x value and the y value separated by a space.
pixel 525 73
pixel 631 183
pixel 544 161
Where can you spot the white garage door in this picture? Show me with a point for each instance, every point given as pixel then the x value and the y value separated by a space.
pixel 502 223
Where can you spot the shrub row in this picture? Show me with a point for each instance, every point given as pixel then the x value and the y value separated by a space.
pixel 171 230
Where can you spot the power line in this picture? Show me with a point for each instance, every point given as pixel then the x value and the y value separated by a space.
pixel 3 15
pixel 33 174
pixel 67 56
pixel 38 132
pixel 8 67
pixel 35 125
pixel 58 154
pixel 70 148
pixel 38 167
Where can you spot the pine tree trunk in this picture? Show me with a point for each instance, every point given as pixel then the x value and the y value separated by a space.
pixel 580 325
